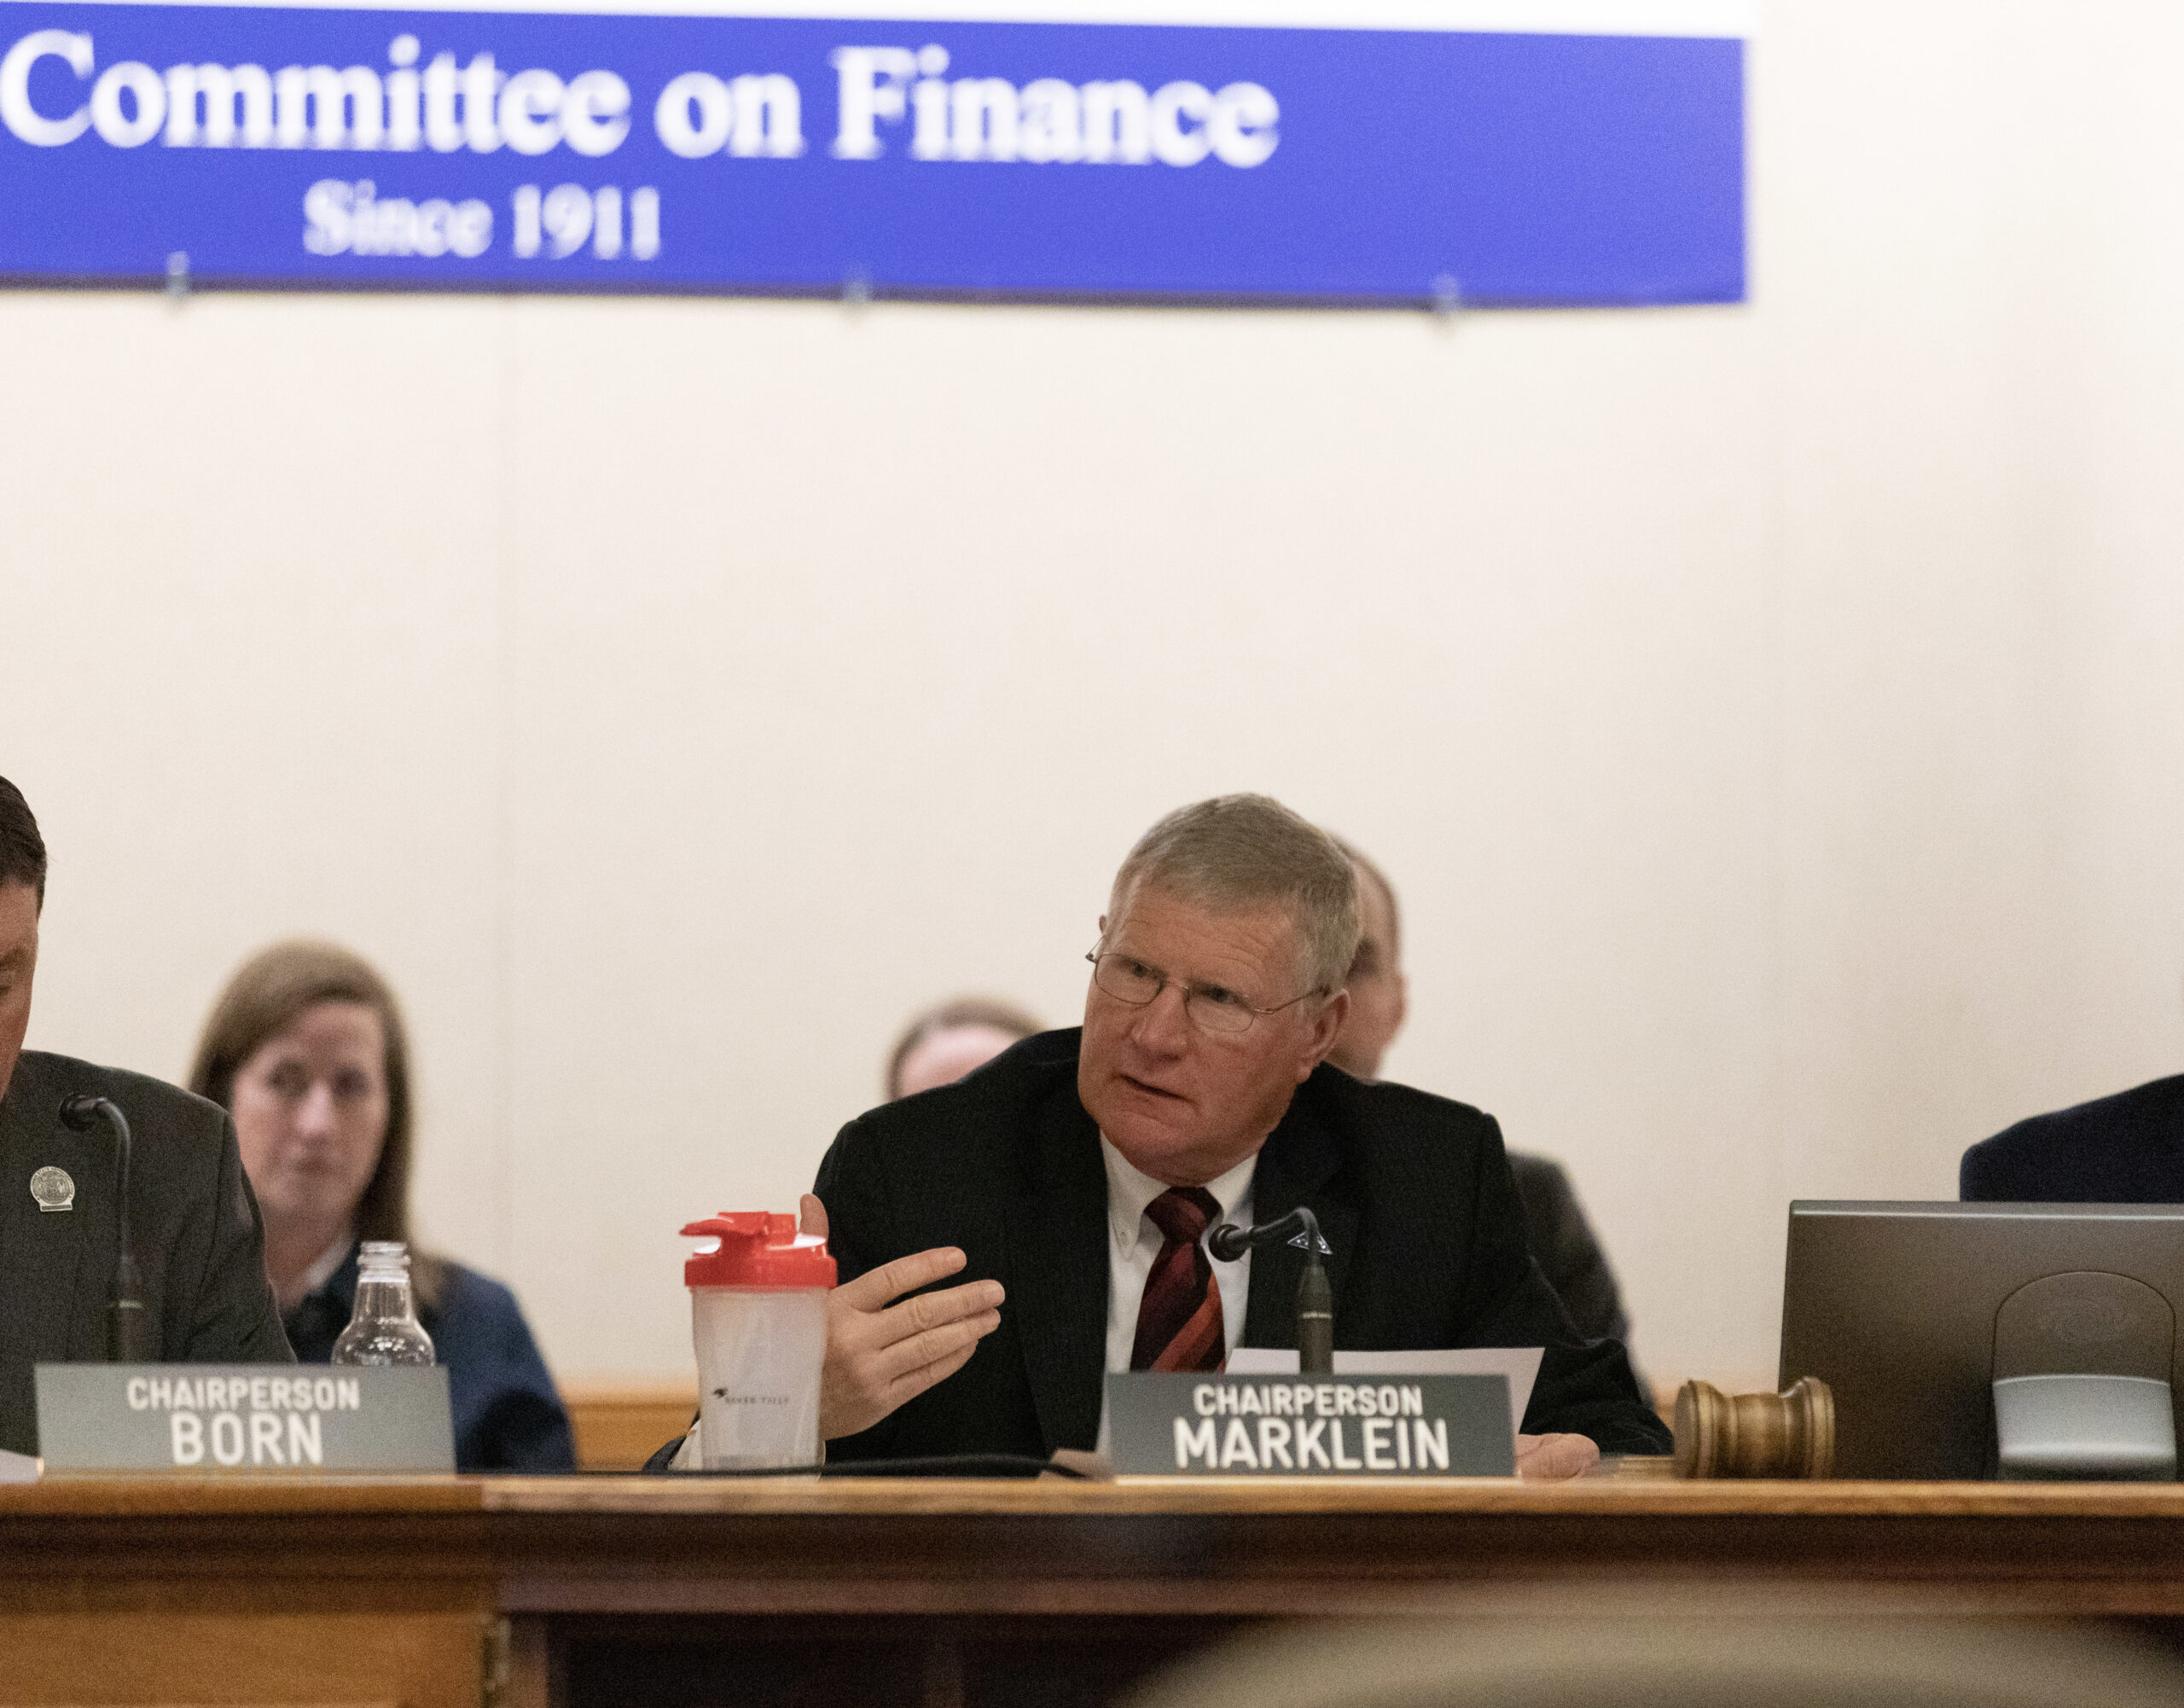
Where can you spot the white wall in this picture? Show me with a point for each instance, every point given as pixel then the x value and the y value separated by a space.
pixel 1769 715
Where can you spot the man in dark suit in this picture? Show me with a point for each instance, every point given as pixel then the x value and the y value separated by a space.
pixel 1570 1253
pixel 2128 1148
pixel 198 1241
pixel 1074 1179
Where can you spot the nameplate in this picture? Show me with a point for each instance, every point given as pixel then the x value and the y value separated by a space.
pixel 1223 1426
pixel 260 1419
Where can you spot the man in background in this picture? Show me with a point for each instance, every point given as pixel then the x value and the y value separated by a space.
pixel 1562 1239
pixel 199 1247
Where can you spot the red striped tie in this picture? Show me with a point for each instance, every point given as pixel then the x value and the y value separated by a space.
pixel 1179 1316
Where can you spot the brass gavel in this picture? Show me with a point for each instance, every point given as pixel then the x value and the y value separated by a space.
pixel 1789 1434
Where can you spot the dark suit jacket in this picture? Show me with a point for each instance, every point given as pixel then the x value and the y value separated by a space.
pixel 200 1244
pixel 2124 1150
pixel 508 1416
pixel 1568 1252
pixel 1412 1193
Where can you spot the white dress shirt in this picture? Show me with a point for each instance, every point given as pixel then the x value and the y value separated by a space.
pixel 321 1270
pixel 1134 1243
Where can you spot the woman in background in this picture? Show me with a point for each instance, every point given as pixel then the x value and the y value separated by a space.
pixel 306 1050
pixel 950 1039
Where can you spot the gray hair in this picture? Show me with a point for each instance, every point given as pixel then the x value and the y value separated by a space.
pixel 1237 852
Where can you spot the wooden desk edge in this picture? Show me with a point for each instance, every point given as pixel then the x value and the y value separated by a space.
pixel 870 1498
pixel 77 1495
pixel 1183 1496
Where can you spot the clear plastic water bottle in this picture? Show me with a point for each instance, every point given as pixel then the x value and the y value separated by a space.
pixel 384 1329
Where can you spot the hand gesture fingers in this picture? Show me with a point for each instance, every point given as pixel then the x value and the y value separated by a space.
pixel 978 1316
pixel 880 1353
pixel 879 1287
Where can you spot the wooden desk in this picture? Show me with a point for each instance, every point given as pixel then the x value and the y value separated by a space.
pixel 656 1593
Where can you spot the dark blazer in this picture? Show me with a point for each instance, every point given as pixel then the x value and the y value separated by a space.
pixel 2124 1150
pixel 1568 1252
pixel 508 1416
pixel 1412 1191
pixel 199 1241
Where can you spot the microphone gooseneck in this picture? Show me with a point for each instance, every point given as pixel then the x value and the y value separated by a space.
pixel 1315 1295
pixel 125 1323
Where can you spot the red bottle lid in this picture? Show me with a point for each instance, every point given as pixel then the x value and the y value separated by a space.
pixel 756 1249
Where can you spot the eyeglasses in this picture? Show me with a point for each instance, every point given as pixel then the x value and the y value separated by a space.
pixel 1211 1007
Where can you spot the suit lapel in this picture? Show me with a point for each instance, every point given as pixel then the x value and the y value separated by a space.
pixel 1298 1166
pixel 1057 1270
pixel 41 1252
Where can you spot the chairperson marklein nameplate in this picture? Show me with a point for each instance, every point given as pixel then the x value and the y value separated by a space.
pixel 255 1418
pixel 1216 1426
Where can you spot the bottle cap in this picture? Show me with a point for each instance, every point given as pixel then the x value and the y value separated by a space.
pixel 753 1248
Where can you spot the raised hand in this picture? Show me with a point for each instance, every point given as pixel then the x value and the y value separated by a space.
pixel 879 1353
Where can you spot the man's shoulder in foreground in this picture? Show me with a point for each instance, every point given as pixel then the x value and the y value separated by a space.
pixel 936 1168
pixel 155 1110
pixel 1027 1070
pixel 2126 1147
pixel 993 1103
pixel 1386 1107
pixel 1410 1152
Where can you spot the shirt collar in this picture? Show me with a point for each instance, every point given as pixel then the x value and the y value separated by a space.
pixel 1130 1189
pixel 328 1262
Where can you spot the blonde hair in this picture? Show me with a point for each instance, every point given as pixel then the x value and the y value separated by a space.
pixel 1239 852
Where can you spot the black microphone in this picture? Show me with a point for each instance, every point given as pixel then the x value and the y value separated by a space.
pixel 125 1320
pixel 1314 1296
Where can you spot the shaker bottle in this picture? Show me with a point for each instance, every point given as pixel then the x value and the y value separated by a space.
pixel 758 1320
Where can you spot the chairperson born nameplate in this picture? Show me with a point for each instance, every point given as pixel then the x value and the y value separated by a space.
pixel 259 1418
pixel 1216 1426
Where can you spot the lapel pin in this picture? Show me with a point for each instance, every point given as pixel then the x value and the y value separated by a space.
pixel 1297 1240
pixel 53 1188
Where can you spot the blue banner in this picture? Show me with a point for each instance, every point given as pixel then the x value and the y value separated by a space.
pixel 339 148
